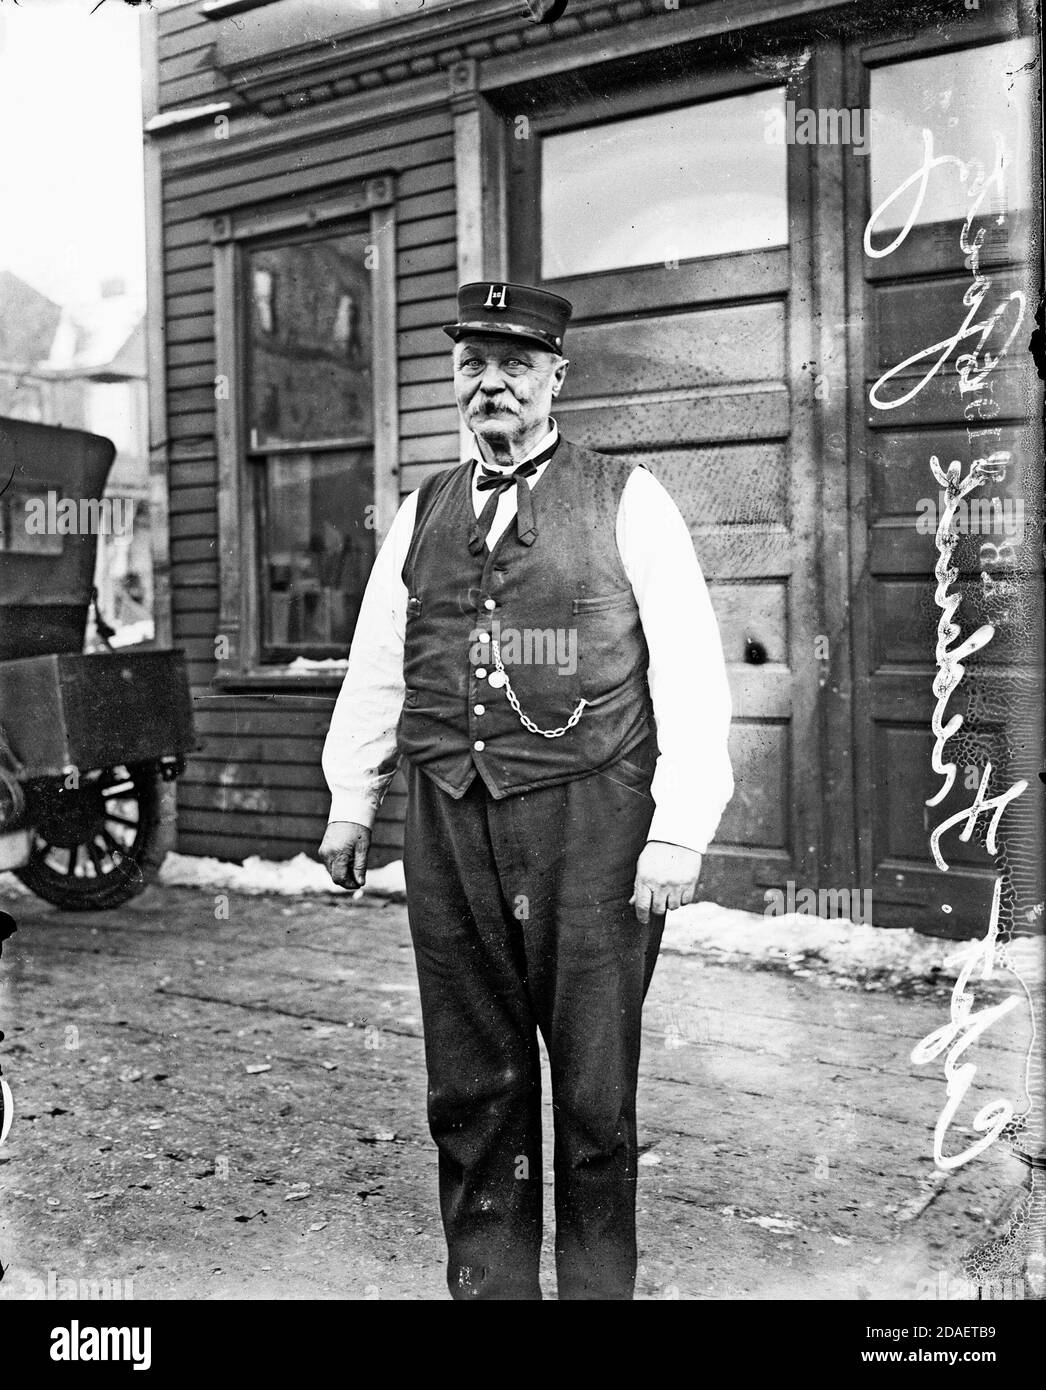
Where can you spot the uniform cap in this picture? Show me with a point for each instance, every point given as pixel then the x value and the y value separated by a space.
pixel 521 311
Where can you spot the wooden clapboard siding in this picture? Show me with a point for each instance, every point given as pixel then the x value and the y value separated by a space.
pixel 421 165
pixel 253 787
pixel 187 525
pixel 188 76
pixel 255 784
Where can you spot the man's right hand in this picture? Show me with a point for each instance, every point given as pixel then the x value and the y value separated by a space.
pixel 344 850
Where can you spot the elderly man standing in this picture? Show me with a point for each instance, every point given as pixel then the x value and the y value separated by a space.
pixel 537 643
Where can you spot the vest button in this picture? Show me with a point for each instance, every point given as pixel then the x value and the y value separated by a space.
pixel 490 605
pixel 481 671
pixel 479 745
pixel 484 636
pixel 480 709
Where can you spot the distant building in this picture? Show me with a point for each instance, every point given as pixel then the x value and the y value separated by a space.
pixel 696 177
pixel 88 372
pixel 28 323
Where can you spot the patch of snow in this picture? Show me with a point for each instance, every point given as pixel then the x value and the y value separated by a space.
pixel 284 878
pixel 327 663
pixel 773 1223
pixel 386 881
pixel 844 948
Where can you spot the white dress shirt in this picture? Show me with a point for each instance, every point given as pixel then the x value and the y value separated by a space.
pixel 687 676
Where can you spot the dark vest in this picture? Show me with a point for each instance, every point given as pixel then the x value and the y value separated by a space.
pixel 561 600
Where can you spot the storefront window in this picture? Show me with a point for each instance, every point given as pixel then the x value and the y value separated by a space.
pixel 310 437
pixel 701 180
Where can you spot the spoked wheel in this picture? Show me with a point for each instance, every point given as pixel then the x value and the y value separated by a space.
pixel 97 844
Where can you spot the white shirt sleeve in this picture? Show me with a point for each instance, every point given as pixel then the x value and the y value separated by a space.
pixel 359 755
pixel 693 780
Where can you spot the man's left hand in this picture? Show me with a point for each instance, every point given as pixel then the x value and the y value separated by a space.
pixel 666 878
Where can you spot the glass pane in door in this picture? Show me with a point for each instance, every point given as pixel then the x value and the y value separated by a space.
pixel 976 106
pixel 700 180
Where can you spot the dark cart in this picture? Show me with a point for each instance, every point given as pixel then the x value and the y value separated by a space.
pixel 86 741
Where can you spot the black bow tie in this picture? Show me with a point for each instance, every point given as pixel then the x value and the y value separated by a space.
pixel 496 483
pixel 502 481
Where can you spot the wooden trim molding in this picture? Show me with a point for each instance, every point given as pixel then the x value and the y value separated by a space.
pixel 186 116
pixel 239 609
pixel 252 223
pixel 386 386
pixel 269 53
pixel 313 83
pixel 478 178
pixel 222 9
pixel 156 350
pixel 282 56
pixel 480 185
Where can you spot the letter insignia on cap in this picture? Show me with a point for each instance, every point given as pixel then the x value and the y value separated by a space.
pixel 497 298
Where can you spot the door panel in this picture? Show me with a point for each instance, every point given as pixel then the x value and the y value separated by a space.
pixel 711 280
pixel 693 367
pixel 743 412
pixel 705 347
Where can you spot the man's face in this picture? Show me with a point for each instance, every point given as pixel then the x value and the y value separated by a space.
pixel 505 386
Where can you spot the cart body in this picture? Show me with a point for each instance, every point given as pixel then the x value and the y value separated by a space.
pixel 86 740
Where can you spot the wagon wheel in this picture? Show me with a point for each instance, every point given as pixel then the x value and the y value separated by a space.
pixel 97 844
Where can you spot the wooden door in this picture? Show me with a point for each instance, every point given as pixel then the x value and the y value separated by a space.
pixel 690 352
pixel 905 302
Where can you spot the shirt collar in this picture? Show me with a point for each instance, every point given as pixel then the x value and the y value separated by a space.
pixel 543 443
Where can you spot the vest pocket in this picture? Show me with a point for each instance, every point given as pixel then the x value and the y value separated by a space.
pixel 605 635
pixel 601 602
pixel 627 773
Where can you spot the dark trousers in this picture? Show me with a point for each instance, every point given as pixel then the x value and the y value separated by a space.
pixel 520 918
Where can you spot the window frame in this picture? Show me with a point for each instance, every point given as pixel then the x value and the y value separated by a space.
pixel 238 659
